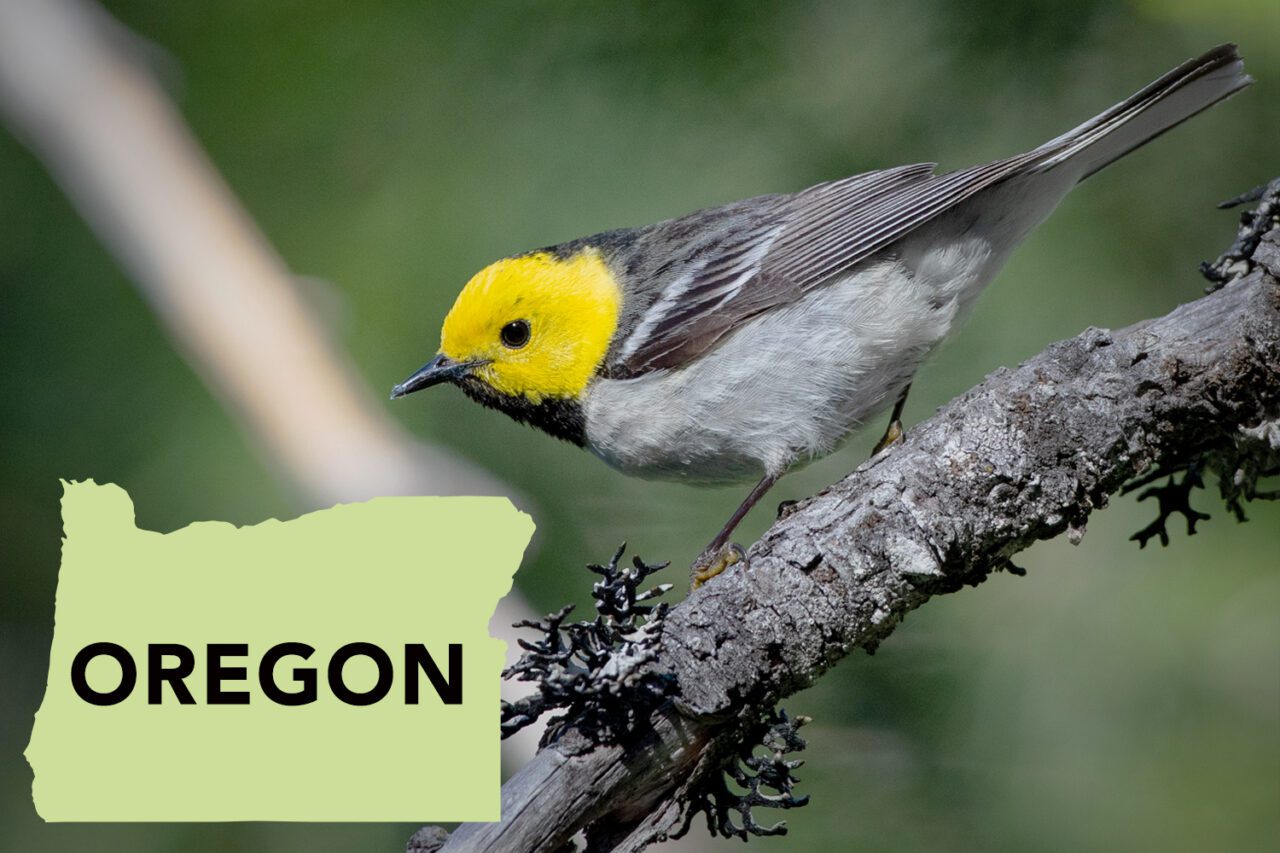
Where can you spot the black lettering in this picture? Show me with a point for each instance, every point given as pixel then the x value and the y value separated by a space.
pixel 306 676
pixel 448 689
pixel 128 674
pixel 218 672
pixel 158 673
pixel 346 653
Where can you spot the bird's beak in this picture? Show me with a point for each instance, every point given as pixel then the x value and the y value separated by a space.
pixel 439 369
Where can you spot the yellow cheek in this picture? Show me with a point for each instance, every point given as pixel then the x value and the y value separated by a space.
pixel 572 306
pixel 560 362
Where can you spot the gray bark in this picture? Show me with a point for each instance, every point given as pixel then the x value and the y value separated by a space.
pixel 1026 455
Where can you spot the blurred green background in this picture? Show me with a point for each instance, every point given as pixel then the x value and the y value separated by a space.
pixel 1114 699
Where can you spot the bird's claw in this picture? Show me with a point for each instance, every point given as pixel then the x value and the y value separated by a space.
pixel 712 563
pixel 892 435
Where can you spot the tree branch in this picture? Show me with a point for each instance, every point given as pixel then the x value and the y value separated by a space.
pixel 1026 455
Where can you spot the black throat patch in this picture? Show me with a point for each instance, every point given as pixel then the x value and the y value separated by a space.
pixel 556 416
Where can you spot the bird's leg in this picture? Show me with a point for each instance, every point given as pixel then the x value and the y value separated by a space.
pixel 893 432
pixel 721 553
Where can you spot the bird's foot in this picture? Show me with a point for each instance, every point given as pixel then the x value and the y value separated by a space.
pixel 712 563
pixel 892 435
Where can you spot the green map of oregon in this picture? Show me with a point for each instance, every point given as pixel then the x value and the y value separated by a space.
pixel 332 667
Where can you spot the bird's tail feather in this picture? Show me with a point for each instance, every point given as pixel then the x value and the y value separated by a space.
pixel 1193 86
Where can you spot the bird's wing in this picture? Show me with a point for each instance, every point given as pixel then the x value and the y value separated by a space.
pixel 823 239
pixel 811 238
pixel 805 242
pixel 765 255
pixel 752 267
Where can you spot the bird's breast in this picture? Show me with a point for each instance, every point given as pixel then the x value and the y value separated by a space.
pixel 784 387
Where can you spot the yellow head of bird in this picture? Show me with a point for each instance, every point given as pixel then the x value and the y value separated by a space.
pixel 535 326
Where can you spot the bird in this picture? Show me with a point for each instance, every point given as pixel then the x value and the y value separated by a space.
pixel 735 343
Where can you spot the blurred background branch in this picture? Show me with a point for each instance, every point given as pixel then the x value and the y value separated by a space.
pixel 74 88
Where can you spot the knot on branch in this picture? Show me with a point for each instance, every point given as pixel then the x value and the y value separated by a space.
pixel 428 839
pixel 754 776
pixel 598 672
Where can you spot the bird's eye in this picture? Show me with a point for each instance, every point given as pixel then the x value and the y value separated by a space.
pixel 515 334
